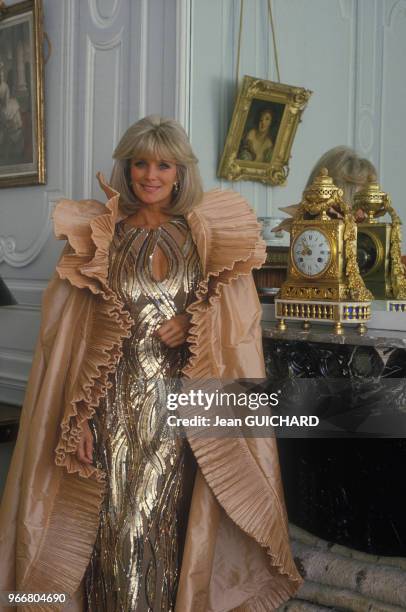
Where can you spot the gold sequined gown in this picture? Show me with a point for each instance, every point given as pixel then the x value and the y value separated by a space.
pixel 136 560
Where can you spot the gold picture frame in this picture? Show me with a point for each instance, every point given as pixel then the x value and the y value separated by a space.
pixel 22 138
pixel 262 105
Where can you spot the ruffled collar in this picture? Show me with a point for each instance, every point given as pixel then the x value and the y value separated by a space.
pixel 224 229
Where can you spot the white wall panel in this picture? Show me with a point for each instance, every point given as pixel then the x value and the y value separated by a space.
pixel 316 45
pixel 17 342
pixel 368 79
pixel 104 62
pixel 25 212
pixel 161 58
pixel 103 11
pixel 349 52
pixel 112 61
pixel 393 157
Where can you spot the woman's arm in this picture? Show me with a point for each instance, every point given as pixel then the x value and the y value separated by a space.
pixel 246 150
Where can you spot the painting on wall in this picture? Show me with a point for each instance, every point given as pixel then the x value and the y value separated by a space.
pixel 22 146
pixel 262 130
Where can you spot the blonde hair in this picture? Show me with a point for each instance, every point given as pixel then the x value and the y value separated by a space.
pixel 159 138
pixel 347 169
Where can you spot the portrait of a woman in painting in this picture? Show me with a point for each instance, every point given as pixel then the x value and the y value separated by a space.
pixel 11 125
pixel 22 100
pixel 257 144
pixel 260 131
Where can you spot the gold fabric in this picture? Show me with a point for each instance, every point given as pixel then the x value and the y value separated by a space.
pixel 135 564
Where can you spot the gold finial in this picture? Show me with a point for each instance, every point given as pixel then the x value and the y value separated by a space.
pixel 318 197
pixel 322 185
pixel 371 199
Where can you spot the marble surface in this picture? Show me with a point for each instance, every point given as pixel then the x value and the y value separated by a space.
pixel 379 338
pixel 344 482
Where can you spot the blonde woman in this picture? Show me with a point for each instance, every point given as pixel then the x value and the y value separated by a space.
pixel 348 170
pixel 103 502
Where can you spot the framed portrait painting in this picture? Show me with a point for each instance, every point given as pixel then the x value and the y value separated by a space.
pixel 22 146
pixel 262 130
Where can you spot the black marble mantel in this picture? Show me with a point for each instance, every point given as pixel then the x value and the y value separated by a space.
pixel 348 485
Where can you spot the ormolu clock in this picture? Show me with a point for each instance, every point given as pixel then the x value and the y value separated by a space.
pixel 323 281
pixel 378 244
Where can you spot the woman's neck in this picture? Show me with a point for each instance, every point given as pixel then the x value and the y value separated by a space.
pixel 262 136
pixel 149 217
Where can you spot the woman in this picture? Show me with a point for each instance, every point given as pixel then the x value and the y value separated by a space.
pixel 257 144
pixel 157 265
pixel 11 125
pixel 349 171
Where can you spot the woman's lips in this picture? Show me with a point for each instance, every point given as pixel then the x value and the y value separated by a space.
pixel 150 188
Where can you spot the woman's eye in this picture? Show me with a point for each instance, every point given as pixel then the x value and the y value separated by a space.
pixel 138 164
pixel 164 166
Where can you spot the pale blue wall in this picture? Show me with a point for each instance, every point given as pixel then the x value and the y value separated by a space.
pixel 111 63
pixel 351 53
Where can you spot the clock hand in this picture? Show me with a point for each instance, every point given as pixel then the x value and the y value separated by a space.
pixel 305 247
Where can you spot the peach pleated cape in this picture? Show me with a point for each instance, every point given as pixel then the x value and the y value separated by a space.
pixel 237 554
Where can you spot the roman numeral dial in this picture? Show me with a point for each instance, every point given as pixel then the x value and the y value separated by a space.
pixel 311 252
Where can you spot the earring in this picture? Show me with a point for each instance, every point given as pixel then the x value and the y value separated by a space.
pixel 176 187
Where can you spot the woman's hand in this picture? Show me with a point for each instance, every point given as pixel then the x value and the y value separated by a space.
pixel 84 452
pixel 360 215
pixel 174 332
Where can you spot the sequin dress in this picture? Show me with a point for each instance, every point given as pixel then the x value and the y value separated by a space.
pixel 136 560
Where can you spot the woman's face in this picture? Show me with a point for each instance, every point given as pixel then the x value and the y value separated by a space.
pixel 152 180
pixel 265 121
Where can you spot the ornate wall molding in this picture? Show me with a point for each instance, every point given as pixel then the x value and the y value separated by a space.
pixel 103 12
pixel 67 95
pixel 392 127
pixel 398 8
pixel 115 45
pixel 87 59
pixel 143 55
pixel 366 132
pixel 9 252
pixel 367 77
pixel 24 318
pixel 89 123
pixel 183 62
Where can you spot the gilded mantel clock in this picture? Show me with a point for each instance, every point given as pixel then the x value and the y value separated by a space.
pixel 323 282
pixel 379 247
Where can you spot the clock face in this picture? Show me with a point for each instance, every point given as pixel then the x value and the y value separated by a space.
pixel 311 252
pixel 367 252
